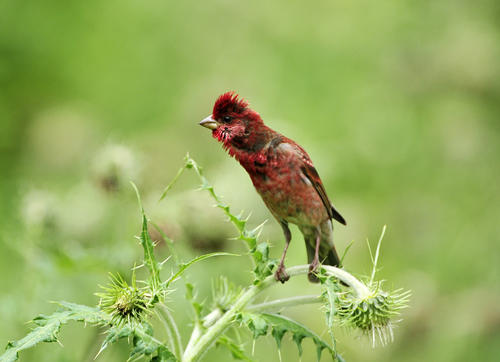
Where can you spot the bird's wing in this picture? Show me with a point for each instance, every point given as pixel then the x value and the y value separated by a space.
pixel 312 175
pixel 310 172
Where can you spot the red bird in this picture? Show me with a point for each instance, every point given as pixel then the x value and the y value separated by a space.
pixel 283 175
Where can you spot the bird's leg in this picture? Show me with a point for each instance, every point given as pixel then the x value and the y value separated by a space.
pixel 315 263
pixel 281 275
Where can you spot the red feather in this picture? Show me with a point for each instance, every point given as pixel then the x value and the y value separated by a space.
pixel 228 102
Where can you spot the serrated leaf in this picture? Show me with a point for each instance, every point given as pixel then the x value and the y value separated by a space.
pixel 143 342
pixel 257 325
pixel 48 327
pixel 163 355
pixel 299 332
pixel 237 351
pixel 278 333
pixel 280 325
pixel 264 264
pixel 262 252
pixel 297 338
pixel 113 335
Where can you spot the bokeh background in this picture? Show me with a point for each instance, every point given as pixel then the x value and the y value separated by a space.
pixel 397 102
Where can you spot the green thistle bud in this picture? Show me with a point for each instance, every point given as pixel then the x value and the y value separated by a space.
pixel 374 313
pixel 126 304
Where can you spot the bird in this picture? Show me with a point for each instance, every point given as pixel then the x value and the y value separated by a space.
pixel 283 174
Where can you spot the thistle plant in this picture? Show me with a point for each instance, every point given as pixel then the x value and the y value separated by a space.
pixel 127 310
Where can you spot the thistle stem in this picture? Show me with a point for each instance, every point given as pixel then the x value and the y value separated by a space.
pixel 192 340
pixel 285 302
pixel 199 344
pixel 195 351
pixel 358 287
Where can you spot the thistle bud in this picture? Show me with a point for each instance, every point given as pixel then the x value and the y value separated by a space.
pixel 126 304
pixel 372 314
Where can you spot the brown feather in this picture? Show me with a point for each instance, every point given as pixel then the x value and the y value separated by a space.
pixel 310 172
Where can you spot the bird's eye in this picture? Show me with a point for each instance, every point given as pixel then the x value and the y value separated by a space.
pixel 226 119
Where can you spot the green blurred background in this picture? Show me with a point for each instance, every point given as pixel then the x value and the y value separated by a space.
pixel 397 102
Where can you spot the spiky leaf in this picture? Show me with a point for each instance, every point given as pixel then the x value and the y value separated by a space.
pixel 259 324
pixel 144 344
pixel 48 327
pixel 148 248
pixel 258 251
pixel 114 334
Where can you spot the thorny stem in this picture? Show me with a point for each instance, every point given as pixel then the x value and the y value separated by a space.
pixel 196 350
pixel 199 344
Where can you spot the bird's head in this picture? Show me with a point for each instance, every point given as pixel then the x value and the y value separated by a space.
pixel 232 122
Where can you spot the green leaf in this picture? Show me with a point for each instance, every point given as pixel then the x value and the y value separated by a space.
pixel 148 247
pixel 169 242
pixel 169 186
pixel 257 325
pixel 278 334
pixel 114 334
pixel 184 266
pixel 143 342
pixel 345 252
pixel 236 350
pixel 263 264
pixel 163 355
pixel 280 325
pixel 48 327
pixel 284 324
pixel 197 307
pixel 146 345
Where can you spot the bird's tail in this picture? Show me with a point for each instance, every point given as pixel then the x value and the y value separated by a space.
pixel 332 258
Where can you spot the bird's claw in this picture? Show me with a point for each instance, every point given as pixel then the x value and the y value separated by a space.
pixel 281 275
pixel 313 269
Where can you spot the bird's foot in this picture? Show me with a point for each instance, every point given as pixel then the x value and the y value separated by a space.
pixel 281 275
pixel 313 269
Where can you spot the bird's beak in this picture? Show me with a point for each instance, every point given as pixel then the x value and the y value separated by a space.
pixel 209 122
